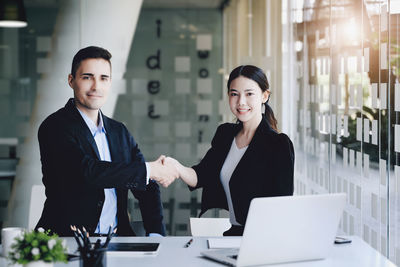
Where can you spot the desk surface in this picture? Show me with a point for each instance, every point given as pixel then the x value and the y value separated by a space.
pixel 173 253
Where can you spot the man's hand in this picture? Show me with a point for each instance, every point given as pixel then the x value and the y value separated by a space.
pixel 188 175
pixel 173 162
pixel 163 172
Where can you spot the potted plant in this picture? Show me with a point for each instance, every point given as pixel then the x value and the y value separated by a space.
pixel 38 248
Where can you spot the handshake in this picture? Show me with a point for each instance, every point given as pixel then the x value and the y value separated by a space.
pixel 165 170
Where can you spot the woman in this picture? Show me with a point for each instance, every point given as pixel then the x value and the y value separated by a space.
pixel 247 159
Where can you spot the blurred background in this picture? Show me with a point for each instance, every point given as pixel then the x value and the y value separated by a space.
pixel 333 67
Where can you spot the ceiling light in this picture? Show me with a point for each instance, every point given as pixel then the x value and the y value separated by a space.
pixel 12 14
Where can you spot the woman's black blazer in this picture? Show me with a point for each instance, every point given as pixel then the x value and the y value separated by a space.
pixel 265 170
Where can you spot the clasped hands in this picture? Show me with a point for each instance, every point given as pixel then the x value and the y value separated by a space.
pixel 164 170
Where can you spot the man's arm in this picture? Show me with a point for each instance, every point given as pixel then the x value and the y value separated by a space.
pixel 162 172
pixel 63 156
pixel 149 200
pixel 151 208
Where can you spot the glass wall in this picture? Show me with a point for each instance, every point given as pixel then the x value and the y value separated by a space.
pixel 343 57
pixel 173 89
pixel 23 64
pixel 166 88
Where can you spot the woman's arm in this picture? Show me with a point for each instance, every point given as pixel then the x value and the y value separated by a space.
pixel 188 175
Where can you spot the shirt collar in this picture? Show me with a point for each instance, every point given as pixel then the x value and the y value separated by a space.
pixel 92 126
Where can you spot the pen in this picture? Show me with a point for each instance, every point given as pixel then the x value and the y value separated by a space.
pixel 110 234
pixel 188 243
pixel 73 228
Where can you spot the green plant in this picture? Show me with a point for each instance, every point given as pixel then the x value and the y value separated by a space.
pixel 38 245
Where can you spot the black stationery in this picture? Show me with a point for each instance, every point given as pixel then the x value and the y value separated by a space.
pixel 133 248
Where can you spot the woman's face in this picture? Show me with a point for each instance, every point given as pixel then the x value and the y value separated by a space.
pixel 246 98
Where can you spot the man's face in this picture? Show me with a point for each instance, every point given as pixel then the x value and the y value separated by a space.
pixel 91 83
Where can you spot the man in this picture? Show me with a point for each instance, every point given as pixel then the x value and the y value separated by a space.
pixel 89 161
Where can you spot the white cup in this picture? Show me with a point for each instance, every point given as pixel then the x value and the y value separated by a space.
pixel 8 236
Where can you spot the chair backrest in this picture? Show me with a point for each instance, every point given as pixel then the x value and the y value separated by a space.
pixel 209 226
pixel 38 197
pixel 138 228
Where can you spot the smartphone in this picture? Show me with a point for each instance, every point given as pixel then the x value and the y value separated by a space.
pixel 342 240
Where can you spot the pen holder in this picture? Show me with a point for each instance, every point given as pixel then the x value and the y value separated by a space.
pixel 93 257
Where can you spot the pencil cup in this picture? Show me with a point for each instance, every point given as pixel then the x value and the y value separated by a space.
pixel 93 257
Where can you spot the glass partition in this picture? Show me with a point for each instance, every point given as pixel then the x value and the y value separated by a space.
pixel 171 103
pixel 166 88
pixel 346 133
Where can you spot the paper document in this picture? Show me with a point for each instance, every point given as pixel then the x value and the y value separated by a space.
pixel 227 242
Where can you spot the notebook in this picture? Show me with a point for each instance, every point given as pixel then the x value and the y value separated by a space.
pixel 226 242
pixel 286 229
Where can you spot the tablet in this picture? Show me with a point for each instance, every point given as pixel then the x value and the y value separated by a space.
pixel 132 249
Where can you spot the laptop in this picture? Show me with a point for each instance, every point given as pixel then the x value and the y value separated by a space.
pixel 286 229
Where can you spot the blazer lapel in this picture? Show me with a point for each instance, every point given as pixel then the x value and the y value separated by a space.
pixel 82 126
pixel 90 139
pixel 226 143
pixel 112 139
pixel 262 127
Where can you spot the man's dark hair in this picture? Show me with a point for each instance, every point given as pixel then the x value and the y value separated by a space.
pixel 89 52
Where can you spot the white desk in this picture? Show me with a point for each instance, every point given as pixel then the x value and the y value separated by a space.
pixel 172 253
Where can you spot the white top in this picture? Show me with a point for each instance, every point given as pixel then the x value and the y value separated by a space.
pixel 231 161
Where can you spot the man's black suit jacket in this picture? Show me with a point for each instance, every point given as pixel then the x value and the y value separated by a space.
pixel 75 177
pixel 265 169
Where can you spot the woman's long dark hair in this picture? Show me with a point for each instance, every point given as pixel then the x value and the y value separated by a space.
pixel 256 74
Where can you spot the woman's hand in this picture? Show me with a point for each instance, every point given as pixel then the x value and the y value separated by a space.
pixel 188 175
pixel 163 173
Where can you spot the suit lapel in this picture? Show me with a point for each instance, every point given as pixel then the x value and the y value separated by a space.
pixel 245 158
pixel 262 128
pixel 113 145
pixel 112 139
pixel 82 127
pixel 90 139
pixel 227 143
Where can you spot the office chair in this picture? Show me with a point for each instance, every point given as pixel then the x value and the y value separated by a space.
pixel 209 226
